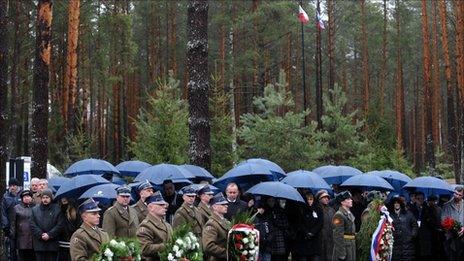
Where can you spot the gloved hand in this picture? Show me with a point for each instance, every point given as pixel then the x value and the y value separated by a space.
pixel 6 232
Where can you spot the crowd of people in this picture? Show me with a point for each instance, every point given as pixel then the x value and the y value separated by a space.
pixel 37 227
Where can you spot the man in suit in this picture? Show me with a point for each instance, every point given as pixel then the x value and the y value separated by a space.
pixel 235 204
pixel 214 238
pixel 86 241
pixel 145 190
pixel 154 231
pixel 120 220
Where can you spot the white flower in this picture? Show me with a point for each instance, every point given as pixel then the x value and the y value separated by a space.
pixel 178 254
pixel 113 243
pixel 170 257
pixel 179 242
pixel 252 252
pixel 256 248
pixel 245 240
pixel 252 246
pixel 197 245
pixel 108 253
pixel 245 253
pixel 175 248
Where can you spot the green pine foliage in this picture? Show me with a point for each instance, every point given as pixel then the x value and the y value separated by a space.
pixel 162 130
pixel 223 156
pixel 277 133
pixel 340 132
pixel 368 226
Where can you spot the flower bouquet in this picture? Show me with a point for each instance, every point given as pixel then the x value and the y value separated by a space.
pixel 451 225
pixel 382 239
pixel 243 240
pixel 119 250
pixel 182 246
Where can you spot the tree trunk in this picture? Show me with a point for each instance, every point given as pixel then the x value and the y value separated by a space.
pixel 365 58
pixel 71 62
pixel 319 109
pixel 452 134
pixel 331 46
pixel 429 147
pixel 384 57
pixel 41 70
pixel 460 77
pixel 3 90
pixel 436 90
pixel 399 88
pixel 172 38
pixel 198 84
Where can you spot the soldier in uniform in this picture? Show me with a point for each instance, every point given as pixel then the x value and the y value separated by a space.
pixel 188 213
pixel 86 241
pixel 205 194
pixel 344 229
pixel 154 231
pixel 145 190
pixel 120 220
pixel 214 238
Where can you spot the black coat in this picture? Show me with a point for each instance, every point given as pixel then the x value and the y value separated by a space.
pixel 309 226
pixel 21 226
pixel 235 207
pixel 424 234
pixel 46 219
pixel 263 223
pixel 405 231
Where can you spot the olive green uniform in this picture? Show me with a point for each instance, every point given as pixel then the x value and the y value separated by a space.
pixel 141 210
pixel 120 222
pixel 344 235
pixel 86 241
pixel 205 212
pixel 153 234
pixel 188 214
pixel 214 238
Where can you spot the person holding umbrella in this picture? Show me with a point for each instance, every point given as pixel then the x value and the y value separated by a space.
pixel 205 194
pixel 154 231
pixel 145 190
pixel 87 239
pixel 344 229
pixel 120 220
pixel 214 236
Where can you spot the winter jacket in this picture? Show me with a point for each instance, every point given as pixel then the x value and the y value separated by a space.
pixel 263 223
pixel 46 219
pixel 424 235
pixel 310 223
pixel 21 225
pixel 9 200
pixel 403 235
pixel 327 233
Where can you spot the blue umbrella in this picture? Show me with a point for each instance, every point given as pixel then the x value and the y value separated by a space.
pixel 157 174
pixel 429 186
pixel 90 166
pixel 99 192
pixel 306 179
pixel 132 168
pixel 276 189
pixel 78 185
pixel 273 167
pixel 199 186
pixel 367 182
pixel 57 182
pixel 245 175
pixel 199 172
pixel 395 178
pixel 336 174
pixel 116 179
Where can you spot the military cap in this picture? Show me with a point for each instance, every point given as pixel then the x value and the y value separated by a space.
pixel 374 194
pixel 188 191
pixel 26 192
pixel 144 185
pixel 218 199
pixel 205 190
pixel 89 205
pixel 156 198
pixel 342 196
pixel 123 190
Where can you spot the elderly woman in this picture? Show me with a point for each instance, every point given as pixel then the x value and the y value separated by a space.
pixel 20 226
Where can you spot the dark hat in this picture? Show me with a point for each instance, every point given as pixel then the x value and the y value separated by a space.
pixel 340 197
pixel 14 181
pixel 26 192
pixel 156 198
pixel 374 194
pixel 205 190
pixel 123 190
pixel 188 191
pixel 89 205
pixel 144 185
pixel 218 199
pixel 322 193
pixel 432 197
pixel 47 192
pixel 167 181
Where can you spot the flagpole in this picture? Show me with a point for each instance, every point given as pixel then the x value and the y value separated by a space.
pixel 303 68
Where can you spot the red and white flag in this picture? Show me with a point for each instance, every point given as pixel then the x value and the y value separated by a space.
pixel 302 15
pixel 320 23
